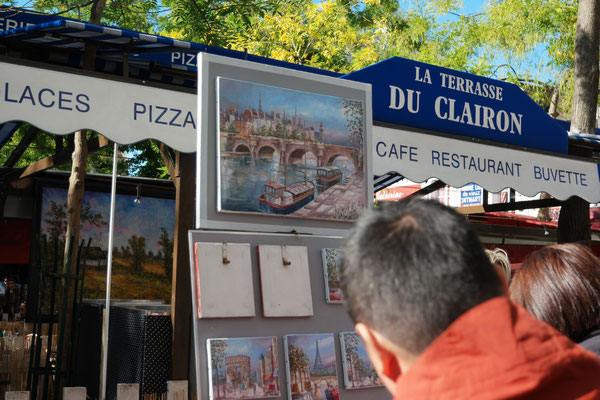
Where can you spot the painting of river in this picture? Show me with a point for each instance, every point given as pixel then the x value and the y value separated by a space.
pixel 289 153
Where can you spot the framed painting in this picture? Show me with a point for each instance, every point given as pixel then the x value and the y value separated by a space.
pixel 358 369
pixel 331 270
pixel 311 366
pixel 289 152
pixel 289 148
pixel 142 250
pixel 243 368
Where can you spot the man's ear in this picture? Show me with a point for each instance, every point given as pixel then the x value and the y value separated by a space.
pixel 382 355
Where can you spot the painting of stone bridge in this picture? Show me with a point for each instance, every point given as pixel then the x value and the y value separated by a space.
pixel 288 152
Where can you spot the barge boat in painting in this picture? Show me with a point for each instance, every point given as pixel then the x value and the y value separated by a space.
pixel 285 199
pixel 328 176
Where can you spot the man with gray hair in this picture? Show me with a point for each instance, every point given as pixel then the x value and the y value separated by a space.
pixel 436 322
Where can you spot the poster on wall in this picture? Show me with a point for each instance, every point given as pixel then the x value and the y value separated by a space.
pixel 288 152
pixel 143 246
pixel 358 370
pixel 243 368
pixel 311 366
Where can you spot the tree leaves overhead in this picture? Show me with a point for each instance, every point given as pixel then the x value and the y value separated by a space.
pixel 214 22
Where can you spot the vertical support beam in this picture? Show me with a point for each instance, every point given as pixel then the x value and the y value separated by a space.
pixel 181 295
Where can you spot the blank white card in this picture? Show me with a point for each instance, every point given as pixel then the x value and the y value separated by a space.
pixel 224 280
pixel 285 281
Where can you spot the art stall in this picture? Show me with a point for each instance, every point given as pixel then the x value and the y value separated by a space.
pixel 281 161
pixel 285 161
pixel 284 168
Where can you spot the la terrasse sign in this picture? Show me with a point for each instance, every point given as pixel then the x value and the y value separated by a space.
pixel 419 95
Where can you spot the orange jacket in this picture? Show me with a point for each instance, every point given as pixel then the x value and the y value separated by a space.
pixel 498 351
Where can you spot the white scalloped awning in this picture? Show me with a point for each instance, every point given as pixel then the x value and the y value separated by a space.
pixel 62 103
pixel 419 156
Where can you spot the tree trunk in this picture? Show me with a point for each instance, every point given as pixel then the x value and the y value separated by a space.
pixel 75 197
pixel 574 219
pixel 553 109
pixel 74 201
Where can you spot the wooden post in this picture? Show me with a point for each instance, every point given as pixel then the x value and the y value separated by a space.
pixel 181 300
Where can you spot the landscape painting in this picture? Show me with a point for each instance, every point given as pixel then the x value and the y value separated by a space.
pixel 311 367
pixel 358 370
pixel 289 153
pixel 243 368
pixel 331 269
pixel 143 242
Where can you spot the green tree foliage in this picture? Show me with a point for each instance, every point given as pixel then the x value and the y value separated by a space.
pixel 137 244
pixel 213 22
pixel 536 40
pixel 166 244
pixel 217 357
pixel 44 145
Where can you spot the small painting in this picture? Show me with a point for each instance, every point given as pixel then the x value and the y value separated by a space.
pixel 243 368
pixel 358 370
pixel 311 367
pixel 331 269
pixel 289 153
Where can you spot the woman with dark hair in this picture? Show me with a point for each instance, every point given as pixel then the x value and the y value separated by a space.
pixel 560 285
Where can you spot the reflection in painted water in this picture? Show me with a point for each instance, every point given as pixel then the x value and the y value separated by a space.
pixel 243 178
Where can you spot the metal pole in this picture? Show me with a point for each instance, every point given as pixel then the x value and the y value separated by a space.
pixel 113 193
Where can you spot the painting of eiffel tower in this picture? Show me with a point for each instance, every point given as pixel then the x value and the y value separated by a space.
pixel 318 365
pixel 311 366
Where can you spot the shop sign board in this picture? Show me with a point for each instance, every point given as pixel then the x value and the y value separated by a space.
pixel 62 103
pixel 425 96
pixel 419 156
pixel 470 195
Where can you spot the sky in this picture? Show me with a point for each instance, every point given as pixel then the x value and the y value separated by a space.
pixel 308 343
pixel 313 108
pixel 253 347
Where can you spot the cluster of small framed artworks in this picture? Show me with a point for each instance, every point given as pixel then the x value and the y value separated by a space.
pixel 248 368
pixel 226 268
